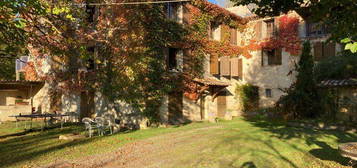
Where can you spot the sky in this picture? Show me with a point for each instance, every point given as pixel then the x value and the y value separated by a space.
pixel 221 3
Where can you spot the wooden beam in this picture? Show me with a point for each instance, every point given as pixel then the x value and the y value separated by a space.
pixel 215 95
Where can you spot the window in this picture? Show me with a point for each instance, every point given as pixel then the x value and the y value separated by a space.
pixel 213 32
pixel 21 63
pixel 90 10
pixel 272 57
pixel 171 10
pixel 315 29
pixel 172 58
pixel 270 28
pixel 268 93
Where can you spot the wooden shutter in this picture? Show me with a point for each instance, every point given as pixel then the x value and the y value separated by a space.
pixel 258 31
pixel 278 56
pixel 214 65
pixel 239 38
pixel 240 68
pixel 187 56
pixel 276 26
pixel 264 55
pixel 186 14
pixel 318 51
pixel 234 67
pixel 329 50
pixel 233 36
pixel 224 66
pixel 224 31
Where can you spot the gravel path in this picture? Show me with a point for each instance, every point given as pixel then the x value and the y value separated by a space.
pixel 159 151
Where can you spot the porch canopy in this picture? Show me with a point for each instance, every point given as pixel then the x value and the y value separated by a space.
pixel 22 84
pixel 29 88
pixel 211 85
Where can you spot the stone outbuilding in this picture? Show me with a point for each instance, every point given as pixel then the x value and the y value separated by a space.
pixel 346 97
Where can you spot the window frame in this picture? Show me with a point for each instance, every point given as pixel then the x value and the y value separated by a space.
pixel 172 65
pixel 321 31
pixel 270 30
pixel 270 56
pixel 268 92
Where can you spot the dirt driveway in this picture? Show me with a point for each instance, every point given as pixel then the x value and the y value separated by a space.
pixel 159 151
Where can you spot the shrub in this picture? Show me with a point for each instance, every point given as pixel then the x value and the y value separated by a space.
pixel 248 96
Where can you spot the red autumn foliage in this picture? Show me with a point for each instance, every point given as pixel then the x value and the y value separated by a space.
pixel 30 72
pixel 288 37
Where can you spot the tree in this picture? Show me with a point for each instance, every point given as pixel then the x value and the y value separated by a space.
pixel 343 66
pixel 13 35
pixel 302 99
pixel 339 15
pixel 7 70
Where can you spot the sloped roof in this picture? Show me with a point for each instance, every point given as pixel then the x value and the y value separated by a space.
pixel 339 83
pixel 242 11
pixel 9 82
pixel 211 82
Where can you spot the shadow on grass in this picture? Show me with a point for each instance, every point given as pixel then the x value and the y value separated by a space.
pixel 324 152
pixel 248 165
pixel 37 129
pixel 27 145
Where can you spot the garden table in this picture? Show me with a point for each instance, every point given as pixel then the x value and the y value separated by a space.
pixel 44 116
pixel 349 150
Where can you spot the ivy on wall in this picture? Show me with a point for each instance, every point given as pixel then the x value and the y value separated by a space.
pixel 248 96
pixel 287 38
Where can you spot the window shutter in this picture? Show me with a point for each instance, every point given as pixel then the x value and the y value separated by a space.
pixel 278 56
pixel 276 26
pixel 240 68
pixel 224 66
pixel 224 31
pixel 186 14
pixel 329 50
pixel 187 56
pixel 258 31
pixel 239 38
pixel 264 55
pixel 214 65
pixel 210 35
pixel 234 67
pixel 318 51
pixel 233 36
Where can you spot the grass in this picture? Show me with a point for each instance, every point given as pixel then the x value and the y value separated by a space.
pixel 238 143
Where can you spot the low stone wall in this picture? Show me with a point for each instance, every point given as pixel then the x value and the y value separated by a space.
pixel 323 126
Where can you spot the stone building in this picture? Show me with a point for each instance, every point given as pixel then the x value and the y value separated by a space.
pixel 269 69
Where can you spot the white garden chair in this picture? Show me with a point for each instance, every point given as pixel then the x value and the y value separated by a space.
pixel 100 123
pixel 109 122
pixel 89 124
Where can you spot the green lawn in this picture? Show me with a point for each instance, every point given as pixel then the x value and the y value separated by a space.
pixel 237 143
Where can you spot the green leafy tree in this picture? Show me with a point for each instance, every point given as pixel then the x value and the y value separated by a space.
pixel 7 69
pixel 343 66
pixel 13 35
pixel 339 15
pixel 302 99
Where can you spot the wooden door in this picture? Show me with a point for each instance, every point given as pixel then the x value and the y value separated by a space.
pixel 222 104
pixel 87 104
pixel 175 106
